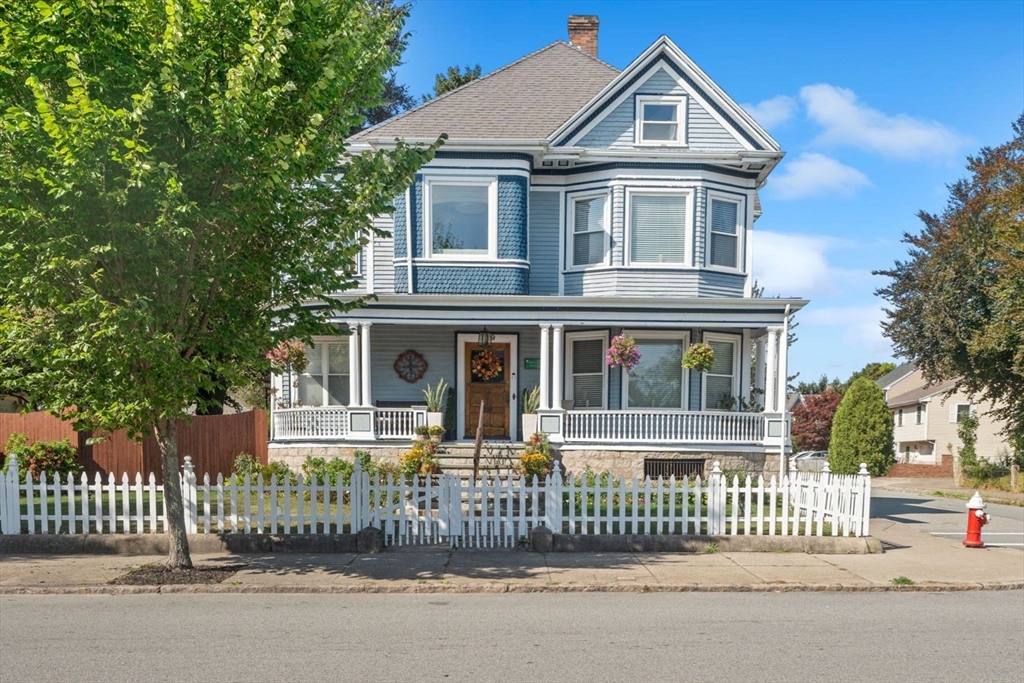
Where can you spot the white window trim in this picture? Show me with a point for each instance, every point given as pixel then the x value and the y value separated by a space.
pixel 954 409
pixel 571 337
pixel 321 343
pixel 683 336
pixel 899 417
pixel 491 183
pixel 920 414
pixel 681 110
pixel 736 340
pixel 740 230
pixel 688 230
pixel 571 223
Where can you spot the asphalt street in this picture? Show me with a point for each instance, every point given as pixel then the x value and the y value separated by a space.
pixel 516 637
pixel 947 517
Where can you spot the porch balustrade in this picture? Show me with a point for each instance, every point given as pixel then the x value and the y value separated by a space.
pixel 326 423
pixel 646 426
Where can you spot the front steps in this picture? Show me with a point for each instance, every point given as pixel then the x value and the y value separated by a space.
pixel 496 458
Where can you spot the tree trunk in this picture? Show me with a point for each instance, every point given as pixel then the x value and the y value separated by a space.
pixel 167 438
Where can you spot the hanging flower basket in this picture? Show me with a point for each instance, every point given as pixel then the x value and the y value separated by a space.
pixel 622 351
pixel 699 357
pixel 485 365
pixel 290 353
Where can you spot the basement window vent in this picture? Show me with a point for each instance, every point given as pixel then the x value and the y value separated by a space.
pixel 668 467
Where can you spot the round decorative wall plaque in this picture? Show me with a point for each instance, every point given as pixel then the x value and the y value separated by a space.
pixel 410 366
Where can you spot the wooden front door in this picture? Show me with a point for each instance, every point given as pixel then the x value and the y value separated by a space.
pixel 487 380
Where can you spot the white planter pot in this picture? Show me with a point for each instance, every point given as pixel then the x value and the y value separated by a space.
pixel 435 419
pixel 529 425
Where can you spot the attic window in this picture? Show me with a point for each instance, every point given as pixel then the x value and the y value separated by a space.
pixel 660 120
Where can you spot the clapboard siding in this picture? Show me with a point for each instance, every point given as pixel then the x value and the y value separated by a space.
pixel 383 265
pixel 703 132
pixel 544 243
pixel 618 225
pixel 713 283
pixel 592 283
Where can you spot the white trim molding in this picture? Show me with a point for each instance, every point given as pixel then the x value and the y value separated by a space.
pixel 689 228
pixel 570 338
pixel 741 247
pixel 570 223
pixel 489 182
pixel 737 341
pixel 680 103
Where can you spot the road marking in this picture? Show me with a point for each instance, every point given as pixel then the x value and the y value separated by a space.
pixel 1005 545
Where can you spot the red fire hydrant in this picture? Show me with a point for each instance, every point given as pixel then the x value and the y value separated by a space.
pixel 976 518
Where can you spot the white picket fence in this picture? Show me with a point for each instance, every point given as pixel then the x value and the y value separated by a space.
pixel 445 509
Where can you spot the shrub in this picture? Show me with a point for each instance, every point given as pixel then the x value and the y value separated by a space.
pixel 247 464
pixel 536 459
pixel 330 470
pixel 419 460
pixel 861 431
pixel 51 457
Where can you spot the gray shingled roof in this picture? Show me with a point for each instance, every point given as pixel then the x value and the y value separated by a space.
pixel 915 395
pixel 899 372
pixel 526 100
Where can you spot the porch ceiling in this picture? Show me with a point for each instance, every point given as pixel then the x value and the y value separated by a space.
pixel 412 309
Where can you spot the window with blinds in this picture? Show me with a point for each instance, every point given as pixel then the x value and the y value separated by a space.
pixel 723 249
pixel 587 373
pixel 588 231
pixel 720 379
pixel 657 226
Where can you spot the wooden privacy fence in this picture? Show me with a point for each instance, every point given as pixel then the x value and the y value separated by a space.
pixel 444 509
pixel 213 441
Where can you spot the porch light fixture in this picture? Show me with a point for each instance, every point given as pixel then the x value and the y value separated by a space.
pixel 484 338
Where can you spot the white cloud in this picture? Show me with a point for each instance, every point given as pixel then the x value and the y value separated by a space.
pixel 815 174
pixel 861 326
pixel 772 112
pixel 790 265
pixel 846 121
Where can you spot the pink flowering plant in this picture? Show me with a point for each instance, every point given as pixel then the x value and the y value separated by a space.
pixel 622 351
pixel 290 353
pixel 699 357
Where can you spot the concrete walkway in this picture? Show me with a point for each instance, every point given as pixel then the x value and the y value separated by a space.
pixel 932 563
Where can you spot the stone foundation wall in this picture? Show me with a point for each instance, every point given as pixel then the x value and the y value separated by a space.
pixel 630 463
pixel 294 456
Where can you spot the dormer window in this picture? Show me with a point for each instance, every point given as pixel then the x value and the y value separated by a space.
pixel 660 120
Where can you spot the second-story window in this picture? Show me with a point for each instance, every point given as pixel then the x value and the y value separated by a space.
pixel 723 233
pixel 461 219
pixel 920 413
pixel 658 227
pixel 589 234
pixel 899 417
pixel 660 120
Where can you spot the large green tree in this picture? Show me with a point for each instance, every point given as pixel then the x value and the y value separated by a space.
pixel 454 77
pixel 174 189
pixel 861 431
pixel 956 307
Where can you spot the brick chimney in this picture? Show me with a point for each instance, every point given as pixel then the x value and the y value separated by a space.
pixel 583 33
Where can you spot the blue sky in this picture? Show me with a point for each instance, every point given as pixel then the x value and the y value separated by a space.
pixel 876 104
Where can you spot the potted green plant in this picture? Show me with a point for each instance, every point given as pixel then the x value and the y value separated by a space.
pixel 422 433
pixel 434 396
pixel 436 433
pixel 531 403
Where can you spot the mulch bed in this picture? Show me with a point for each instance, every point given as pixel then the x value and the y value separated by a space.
pixel 160 575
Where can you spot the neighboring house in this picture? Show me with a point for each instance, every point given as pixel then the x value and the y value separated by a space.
pixel 571 203
pixel 926 417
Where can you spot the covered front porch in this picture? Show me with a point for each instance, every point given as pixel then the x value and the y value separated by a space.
pixel 364 386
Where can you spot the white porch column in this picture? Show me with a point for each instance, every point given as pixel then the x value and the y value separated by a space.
pixel 545 367
pixel 783 358
pixel 770 392
pixel 364 358
pixel 557 376
pixel 759 369
pixel 745 367
pixel 353 365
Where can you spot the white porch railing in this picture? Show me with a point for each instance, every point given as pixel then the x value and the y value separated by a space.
pixel 315 423
pixel 331 423
pixel 647 426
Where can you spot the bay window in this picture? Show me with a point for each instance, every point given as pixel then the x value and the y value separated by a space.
pixel 724 231
pixel 589 230
pixel 658 225
pixel 461 218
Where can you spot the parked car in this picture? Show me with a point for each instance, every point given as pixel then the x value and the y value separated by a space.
pixel 810 461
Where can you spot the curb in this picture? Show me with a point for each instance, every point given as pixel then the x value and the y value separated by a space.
pixel 950 495
pixel 505 588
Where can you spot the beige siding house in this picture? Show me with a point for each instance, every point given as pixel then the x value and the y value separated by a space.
pixel 926 417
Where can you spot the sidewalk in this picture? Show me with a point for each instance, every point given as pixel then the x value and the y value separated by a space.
pixel 932 563
pixel 930 487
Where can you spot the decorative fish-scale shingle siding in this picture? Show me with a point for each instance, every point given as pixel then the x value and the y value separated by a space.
pixel 469 280
pixel 512 209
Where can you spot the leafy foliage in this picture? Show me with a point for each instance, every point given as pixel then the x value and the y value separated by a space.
pixel 51 457
pixel 536 460
pixel 531 400
pixel 861 431
pixel 420 460
pixel 434 396
pixel 956 307
pixel 170 197
pixel 451 79
pixel 812 420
